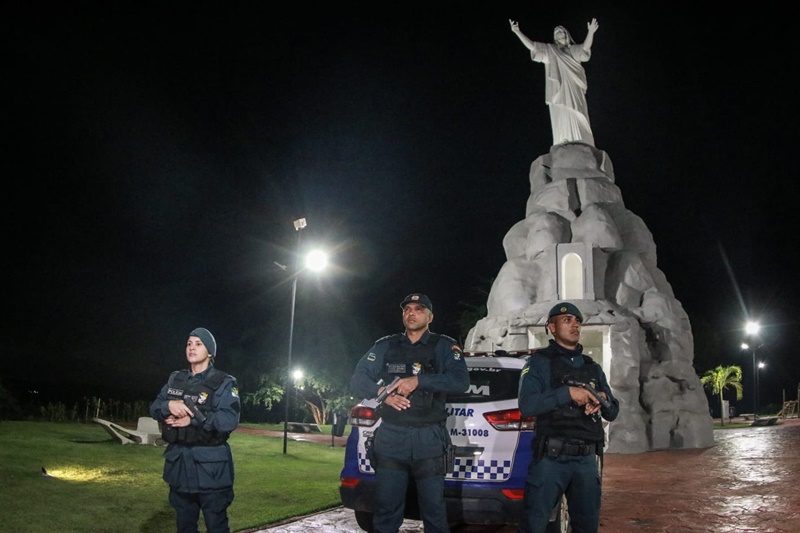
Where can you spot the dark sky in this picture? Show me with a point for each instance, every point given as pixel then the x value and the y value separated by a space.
pixel 157 154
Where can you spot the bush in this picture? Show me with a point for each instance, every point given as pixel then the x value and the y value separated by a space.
pixel 82 410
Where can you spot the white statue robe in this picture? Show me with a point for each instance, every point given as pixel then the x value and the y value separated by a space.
pixel 565 91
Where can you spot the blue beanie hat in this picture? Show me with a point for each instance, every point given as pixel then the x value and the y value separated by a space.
pixel 208 339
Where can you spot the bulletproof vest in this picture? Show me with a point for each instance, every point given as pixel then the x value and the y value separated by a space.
pixel 570 421
pixel 404 360
pixel 202 394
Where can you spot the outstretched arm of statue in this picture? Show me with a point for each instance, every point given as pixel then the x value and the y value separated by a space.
pixel 591 29
pixel 522 37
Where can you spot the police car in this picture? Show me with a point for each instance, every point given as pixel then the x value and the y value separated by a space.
pixel 492 443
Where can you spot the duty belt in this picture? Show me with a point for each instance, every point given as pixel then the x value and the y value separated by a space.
pixel 555 447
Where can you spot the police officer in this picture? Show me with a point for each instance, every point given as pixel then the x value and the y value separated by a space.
pixel 412 440
pixel 198 409
pixel 569 433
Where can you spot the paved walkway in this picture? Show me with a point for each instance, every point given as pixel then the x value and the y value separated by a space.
pixel 749 482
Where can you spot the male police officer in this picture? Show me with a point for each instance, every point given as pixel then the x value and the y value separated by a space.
pixel 569 433
pixel 412 439
pixel 198 409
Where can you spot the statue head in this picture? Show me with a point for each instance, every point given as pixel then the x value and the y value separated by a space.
pixel 562 37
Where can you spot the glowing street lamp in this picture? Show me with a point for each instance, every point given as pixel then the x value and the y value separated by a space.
pixel 752 328
pixel 316 260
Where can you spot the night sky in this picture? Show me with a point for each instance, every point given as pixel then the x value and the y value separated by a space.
pixel 157 154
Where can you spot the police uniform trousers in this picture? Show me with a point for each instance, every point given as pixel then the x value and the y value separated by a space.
pixel 404 453
pixel 214 505
pixel 548 478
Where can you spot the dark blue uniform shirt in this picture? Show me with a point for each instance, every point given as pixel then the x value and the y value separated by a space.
pixel 183 469
pixel 453 375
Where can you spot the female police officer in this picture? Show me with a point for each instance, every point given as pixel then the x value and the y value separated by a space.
pixel 198 408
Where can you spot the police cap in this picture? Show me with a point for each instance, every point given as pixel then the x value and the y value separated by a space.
pixel 419 298
pixel 565 308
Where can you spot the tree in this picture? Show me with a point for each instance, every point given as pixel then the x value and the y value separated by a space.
pixel 268 393
pixel 719 379
pixel 473 309
pixel 322 393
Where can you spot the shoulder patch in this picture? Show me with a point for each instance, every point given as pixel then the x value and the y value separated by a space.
pixel 524 370
pixel 235 392
pixel 457 352
pixel 455 348
pixel 371 356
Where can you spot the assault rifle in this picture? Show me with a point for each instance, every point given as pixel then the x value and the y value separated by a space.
pixel 382 396
pixel 575 383
pixel 198 414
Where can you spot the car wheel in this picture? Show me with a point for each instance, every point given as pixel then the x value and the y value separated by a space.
pixel 364 520
pixel 559 520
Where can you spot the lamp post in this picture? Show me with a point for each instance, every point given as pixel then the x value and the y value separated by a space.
pixel 316 260
pixel 761 364
pixel 299 224
pixel 752 329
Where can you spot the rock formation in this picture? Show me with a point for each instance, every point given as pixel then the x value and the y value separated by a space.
pixel 578 242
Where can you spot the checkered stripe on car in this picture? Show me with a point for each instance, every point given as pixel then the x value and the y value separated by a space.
pixel 363 464
pixel 468 468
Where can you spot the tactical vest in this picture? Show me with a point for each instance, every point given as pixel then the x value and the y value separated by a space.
pixel 404 360
pixel 570 421
pixel 202 394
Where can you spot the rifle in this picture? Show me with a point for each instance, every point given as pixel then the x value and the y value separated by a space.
pixel 575 383
pixel 198 414
pixel 382 396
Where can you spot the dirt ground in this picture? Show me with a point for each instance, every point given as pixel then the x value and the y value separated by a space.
pixel 748 482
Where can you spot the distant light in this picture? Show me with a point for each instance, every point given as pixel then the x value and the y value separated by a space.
pixel 761 364
pixel 297 374
pixel 316 260
pixel 745 346
pixel 752 328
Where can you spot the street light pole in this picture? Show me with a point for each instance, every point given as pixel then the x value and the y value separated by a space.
pixel 299 224
pixel 288 367
pixel 755 380
pixel 752 328
pixel 761 365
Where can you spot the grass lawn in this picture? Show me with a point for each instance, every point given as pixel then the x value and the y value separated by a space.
pixel 732 425
pixel 94 484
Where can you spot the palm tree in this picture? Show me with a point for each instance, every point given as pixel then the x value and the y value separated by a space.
pixel 719 379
